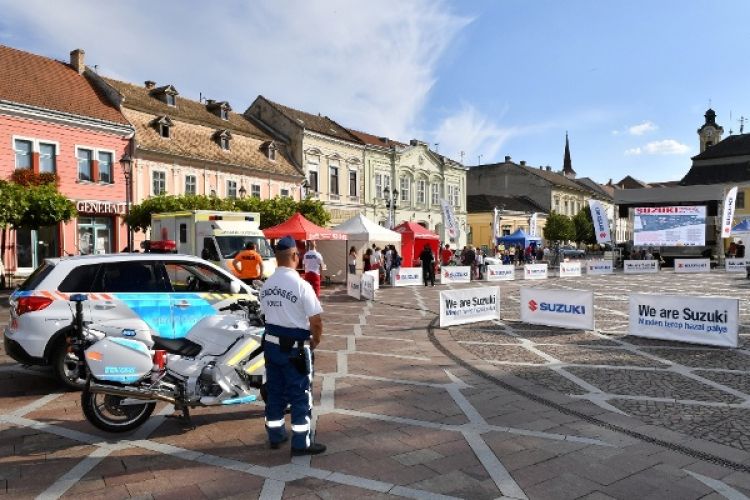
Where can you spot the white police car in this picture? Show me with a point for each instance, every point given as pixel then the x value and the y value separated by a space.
pixel 167 293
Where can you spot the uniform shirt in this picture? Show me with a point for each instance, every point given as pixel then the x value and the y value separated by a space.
pixel 250 263
pixel 287 300
pixel 313 261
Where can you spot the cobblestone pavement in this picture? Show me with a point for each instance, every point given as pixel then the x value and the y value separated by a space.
pixel 485 411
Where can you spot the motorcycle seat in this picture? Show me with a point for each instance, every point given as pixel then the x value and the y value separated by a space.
pixel 183 347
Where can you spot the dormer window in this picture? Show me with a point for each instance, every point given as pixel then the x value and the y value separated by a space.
pixel 223 138
pixel 163 125
pixel 219 108
pixel 269 147
pixel 166 94
pixel 171 100
pixel 224 114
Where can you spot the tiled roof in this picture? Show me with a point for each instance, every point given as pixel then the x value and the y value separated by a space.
pixel 593 186
pixel 480 203
pixel 734 145
pixel 315 123
pixel 717 174
pixel 629 182
pixel 374 140
pixel 45 83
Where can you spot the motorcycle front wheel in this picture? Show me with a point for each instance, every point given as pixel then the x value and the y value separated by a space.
pixel 106 412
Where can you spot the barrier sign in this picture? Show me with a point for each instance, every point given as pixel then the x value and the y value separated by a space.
pixel 535 272
pixel 376 276
pixel 599 267
pixel 406 276
pixel 568 269
pixel 697 320
pixel 458 307
pixel 353 285
pixel 500 273
pixel 455 274
pixel 368 285
pixel 567 308
pixel 735 265
pixel 692 265
pixel 640 266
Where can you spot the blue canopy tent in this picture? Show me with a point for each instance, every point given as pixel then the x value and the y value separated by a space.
pixel 743 228
pixel 520 236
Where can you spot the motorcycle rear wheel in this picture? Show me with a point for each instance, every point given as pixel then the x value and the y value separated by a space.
pixel 105 412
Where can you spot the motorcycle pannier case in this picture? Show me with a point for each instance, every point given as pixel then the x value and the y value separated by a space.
pixel 119 360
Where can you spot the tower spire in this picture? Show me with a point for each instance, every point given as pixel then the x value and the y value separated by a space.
pixel 567 164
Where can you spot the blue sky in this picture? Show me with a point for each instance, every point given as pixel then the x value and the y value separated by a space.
pixel 629 81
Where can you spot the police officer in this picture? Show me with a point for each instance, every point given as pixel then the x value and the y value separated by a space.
pixel 293 329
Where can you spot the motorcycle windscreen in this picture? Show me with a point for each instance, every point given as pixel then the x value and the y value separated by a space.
pixel 119 360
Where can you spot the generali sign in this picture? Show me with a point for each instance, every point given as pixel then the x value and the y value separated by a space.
pixel 100 207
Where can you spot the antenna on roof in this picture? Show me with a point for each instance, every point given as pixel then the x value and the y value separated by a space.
pixel 436 146
pixel 742 121
pixel 200 97
pixel 462 157
pixel 730 123
pixel 96 69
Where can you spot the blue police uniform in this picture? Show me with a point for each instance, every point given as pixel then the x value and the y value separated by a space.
pixel 288 301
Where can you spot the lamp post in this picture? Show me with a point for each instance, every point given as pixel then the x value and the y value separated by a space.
pixel 126 162
pixel 303 188
pixel 391 203
pixel 243 192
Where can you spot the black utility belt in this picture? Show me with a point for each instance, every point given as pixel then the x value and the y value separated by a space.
pixel 286 343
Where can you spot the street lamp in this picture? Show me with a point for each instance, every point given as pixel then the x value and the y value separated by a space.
pixel 243 192
pixel 304 187
pixel 391 203
pixel 126 162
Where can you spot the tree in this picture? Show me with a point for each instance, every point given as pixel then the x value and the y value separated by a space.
pixel 584 225
pixel 559 227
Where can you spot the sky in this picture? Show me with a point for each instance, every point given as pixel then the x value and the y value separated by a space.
pixel 628 81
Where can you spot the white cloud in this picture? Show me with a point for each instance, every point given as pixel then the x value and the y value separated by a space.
pixel 666 147
pixel 642 128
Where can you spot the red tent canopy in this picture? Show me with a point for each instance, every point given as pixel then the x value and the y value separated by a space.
pixel 300 228
pixel 413 239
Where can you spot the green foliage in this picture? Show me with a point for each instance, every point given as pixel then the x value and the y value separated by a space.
pixel 559 227
pixel 584 225
pixel 272 212
pixel 33 206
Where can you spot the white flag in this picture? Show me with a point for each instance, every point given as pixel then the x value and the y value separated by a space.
pixel 601 224
pixel 532 225
pixel 728 216
pixel 450 221
pixel 496 226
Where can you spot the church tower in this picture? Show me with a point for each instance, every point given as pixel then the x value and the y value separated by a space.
pixel 710 133
pixel 567 164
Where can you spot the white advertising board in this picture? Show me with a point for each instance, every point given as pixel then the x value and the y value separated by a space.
pixel 353 285
pixel 640 266
pixel 568 269
pixel 535 272
pixel 669 226
pixel 458 307
pixel 406 276
pixel 599 267
pixel 567 308
pixel 692 265
pixel 500 273
pixel 697 320
pixel 735 265
pixel 376 276
pixel 455 274
pixel 367 287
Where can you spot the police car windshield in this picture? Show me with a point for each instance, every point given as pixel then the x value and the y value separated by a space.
pixel 229 246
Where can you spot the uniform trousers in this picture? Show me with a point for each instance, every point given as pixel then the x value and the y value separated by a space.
pixel 314 280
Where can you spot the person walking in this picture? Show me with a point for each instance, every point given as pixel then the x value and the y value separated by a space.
pixel 313 263
pixel 427 258
pixel 248 264
pixel 446 255
pixel 294 328
pixel 367 260
pixel 352 260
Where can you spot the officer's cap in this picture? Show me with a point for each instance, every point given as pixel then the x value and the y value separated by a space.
pixel 285 243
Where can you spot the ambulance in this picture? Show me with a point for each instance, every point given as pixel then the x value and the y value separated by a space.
pixel 215 236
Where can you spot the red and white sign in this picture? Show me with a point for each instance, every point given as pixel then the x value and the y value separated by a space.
pixel 599 267
pixel 500 273
pixel 692 265
pixel 535 272
pixel 570 269
pixel 566 308
pixel 406 276
pixel 455 274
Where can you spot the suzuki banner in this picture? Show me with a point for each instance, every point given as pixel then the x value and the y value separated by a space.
pixel 640 266
pixel 567 308
pixel 405 276
pixel 354 282
pixel 601 223
pixel 568 269
pixel 500 273
pixel 692 265
pixel 367 287
pixel 376 276
pixel 450 221
pixel 535 272
pixel 458 307
pixel 698 320
pixel 495 226
pixel 455 274
pixel 532 225
pixel 735 265
pixel 728 214
pixel 599 267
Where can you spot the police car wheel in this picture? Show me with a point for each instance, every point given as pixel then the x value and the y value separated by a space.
pixel 66 368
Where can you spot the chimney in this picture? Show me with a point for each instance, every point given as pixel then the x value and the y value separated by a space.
pixel 549 168
pixel 507 159
pixel 77 60
pixel 210 102
pixel 150 84
pixel 523 163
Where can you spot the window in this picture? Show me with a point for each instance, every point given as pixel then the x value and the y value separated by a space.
pixel 85 164
pixel 454 196
pixel 191 276
pixel 421 191
pixel 133 277
pixel 353 183
pixel 740 200
pixel 224 114
pixel 436 193
pixel 232 189
pixel 334 173
pixel 224 143
pixel 255 190
pixel 171 100
pixel 164 130
pixel 405 187
pixel 313 181
pixel 23 153
pixel 191 185
pixel 47 158
pixel 284 193
pixel 159 183
pixel 272 154
pixel 105 167
pixel 566 207
pixel 378 186
pixel 557 206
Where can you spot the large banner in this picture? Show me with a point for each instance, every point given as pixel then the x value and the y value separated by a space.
pixel 728 214
pixel 568 308
pixel 450 220
pixel 532 225
pixel 535 272
pixel 698 320
pixel 599 267
pixel 405 276
pixel 669 226
pixel 692 265
pixel 458 307
pixel 735 265
pixel 455 274
pixel 640 266
pixel 568 269
pixel 353 285
pixel 500 272
pixel 367 287
pixel 601 224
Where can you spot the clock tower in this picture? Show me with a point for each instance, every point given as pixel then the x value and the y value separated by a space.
pixel 710 132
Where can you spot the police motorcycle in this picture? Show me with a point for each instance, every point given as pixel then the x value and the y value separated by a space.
pixel 219 362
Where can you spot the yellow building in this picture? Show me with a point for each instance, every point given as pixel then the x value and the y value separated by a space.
pixel 514 212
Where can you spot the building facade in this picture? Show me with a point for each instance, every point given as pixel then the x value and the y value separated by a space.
pixel 514 212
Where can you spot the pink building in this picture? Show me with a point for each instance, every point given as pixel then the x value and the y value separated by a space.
pixel 54 119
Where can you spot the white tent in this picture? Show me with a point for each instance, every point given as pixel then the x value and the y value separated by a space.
pixel 362 233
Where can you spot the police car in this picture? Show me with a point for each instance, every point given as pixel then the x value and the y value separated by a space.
pixel 167 293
